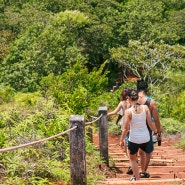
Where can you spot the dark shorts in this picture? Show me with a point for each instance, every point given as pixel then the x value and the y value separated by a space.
pixel 126 139
pixel 134 147
pixel 151 145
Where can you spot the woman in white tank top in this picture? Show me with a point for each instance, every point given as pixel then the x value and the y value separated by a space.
pixel 135 123
pixel 138 129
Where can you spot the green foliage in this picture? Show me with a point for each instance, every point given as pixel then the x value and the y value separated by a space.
pixel 102 32
pixel 2 139
pixel 76 88
pixel 6 94
pixel 60 47
pixel 114 129
pixel 109 99
pixel 181 144
pixel 24 122
pixel 172 126
pixel 150 61
pixel 26 99
pixel 174 4
pixel 6 38
pixel 179 17
pixel 21 181
pixel 147 21
pixel 93 162
pixel 33 164
pixel 94 172
pixel 42 50
pixel 170 96
pixel 30 118
pixel 52 36
pixel 178 109
pixel 54 6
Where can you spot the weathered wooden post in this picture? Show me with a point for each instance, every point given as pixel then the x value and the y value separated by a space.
pixel 103 134
pixel 77 151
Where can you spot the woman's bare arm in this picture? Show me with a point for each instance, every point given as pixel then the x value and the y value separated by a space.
pixel 115 111
pixel 126 127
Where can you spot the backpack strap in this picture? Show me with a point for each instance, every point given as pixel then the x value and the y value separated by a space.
pixel 148 102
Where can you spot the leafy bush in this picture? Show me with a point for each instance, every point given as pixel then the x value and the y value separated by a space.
pixel 178 109
pixel 111 99
pixel 181 143
pixel 172 126
pixel 170 96
pixel 61 47
pixel 114 129
pixel 6 94
pixel 76 88
pixel 27 99
pixel 93 161
pixel 23 124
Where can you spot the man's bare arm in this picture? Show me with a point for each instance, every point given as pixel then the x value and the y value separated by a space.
pixel 155 114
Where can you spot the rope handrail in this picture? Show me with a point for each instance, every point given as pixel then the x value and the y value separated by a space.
pixel 36 142
pixel 97 118
pixel 46 139
pixel 92 116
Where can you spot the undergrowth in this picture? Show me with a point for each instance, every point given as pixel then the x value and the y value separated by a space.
pixel 24 121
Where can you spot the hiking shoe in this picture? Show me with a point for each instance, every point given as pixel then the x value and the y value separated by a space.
pixel 132 179
pixel 129 171
pixel 144 175
pixel 147 175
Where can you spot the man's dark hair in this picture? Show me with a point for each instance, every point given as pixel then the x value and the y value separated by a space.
pixel 142 86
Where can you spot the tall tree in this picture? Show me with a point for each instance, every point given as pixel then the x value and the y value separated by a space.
pixel 44 49
pixel 148 20
pixel 150 61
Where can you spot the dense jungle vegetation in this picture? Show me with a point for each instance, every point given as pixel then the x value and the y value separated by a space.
pixel 62 57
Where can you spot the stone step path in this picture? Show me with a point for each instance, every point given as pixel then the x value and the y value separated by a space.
pixel 167 166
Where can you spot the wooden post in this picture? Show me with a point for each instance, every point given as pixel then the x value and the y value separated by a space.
pixel 77 151
pixel 103 134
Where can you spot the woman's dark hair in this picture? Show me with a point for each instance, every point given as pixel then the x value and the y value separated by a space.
pixel 133 94
pixel 142 86
pixel 124 93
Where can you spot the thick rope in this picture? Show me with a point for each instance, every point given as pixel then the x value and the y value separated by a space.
pixel 46 139
pixel 36 142
pixel 88 123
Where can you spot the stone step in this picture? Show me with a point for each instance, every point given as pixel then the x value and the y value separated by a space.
pixel 157 169
pixel 167 166
pixel 176 160
pixel 153 162
pixel 126 165
pixel 159 175
pixel 163 161
pixel 121 181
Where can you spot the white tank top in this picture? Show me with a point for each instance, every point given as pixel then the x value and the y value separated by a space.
pixel 138 129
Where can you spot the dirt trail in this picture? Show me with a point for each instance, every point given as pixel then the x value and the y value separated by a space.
pixel 167 166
